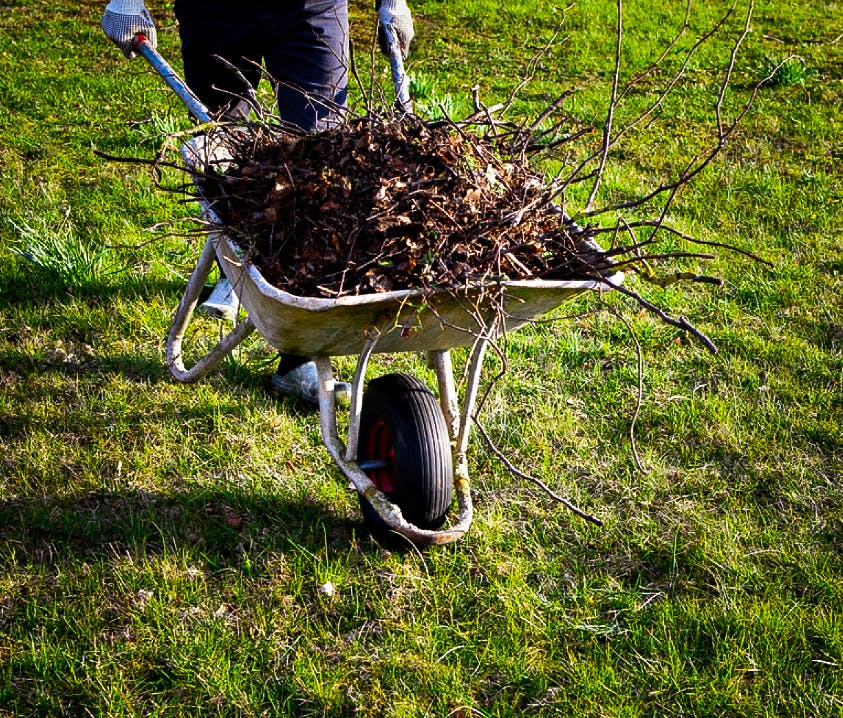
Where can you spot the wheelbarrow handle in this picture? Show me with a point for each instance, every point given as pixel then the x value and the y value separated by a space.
pixel 400 81
pixel 142 46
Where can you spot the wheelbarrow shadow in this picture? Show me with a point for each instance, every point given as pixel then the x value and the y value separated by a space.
pixel 226 530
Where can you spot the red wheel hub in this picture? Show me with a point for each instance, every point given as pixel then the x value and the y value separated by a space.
pixel 379 446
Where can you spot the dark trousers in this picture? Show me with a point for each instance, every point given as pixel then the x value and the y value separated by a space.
pixel 302 44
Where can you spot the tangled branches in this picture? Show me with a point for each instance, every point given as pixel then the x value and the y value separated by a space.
pixel 392 201
pixel 385 203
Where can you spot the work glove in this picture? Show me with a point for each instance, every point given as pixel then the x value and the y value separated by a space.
pixel 395 14
pixel 123 19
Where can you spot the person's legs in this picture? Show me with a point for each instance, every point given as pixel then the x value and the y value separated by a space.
pixel 309 62
pixel 210 30
pixel 304 44
pixel 214 29
pixel 306 55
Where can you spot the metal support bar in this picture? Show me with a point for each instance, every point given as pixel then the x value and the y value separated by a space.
pixel 444 368
pixel 181 320
pixel 478 352
pixel 357 398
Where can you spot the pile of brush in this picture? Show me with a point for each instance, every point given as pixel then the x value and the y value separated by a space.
pixel 384 203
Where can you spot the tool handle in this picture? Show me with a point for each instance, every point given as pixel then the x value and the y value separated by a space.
pixel 142 46
pixel 400 81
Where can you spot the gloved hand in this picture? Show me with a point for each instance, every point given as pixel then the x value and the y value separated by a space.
pixel 395 14
pixel 123 19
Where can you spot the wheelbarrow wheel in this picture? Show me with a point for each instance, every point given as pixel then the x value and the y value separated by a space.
pixel 405 450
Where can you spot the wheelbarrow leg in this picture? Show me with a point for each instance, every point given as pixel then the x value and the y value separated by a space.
pixel 459 421
pixel 475 364
pixel 184 313
pixel 441 362
pixel 328 405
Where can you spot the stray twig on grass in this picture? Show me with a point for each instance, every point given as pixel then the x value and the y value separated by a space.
pixel 527 477
pixel 502 457
pixel 680 323
pixel 639 399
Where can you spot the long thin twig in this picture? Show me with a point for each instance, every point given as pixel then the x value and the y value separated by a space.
pixel 532 479
pixel 610 114
pixel 533 65
pixel 639 398
pixel 730 69
pixel 577 174
pixel 680 323
pixel 700 161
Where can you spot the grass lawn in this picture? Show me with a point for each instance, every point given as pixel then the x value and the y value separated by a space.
pixel 165 548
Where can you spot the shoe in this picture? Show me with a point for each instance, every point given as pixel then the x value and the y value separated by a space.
pixel 302 382
pixel 222 303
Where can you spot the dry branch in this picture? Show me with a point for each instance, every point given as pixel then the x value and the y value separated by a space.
pixel 383 203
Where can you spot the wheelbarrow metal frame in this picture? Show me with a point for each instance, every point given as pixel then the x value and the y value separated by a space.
pixel 458 416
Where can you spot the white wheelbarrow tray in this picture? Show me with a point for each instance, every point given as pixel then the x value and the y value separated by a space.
pixel 396 321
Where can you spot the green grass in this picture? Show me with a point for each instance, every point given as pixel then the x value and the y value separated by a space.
pixel 162 546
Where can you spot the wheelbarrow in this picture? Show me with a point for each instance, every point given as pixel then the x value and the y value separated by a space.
pixel 405 450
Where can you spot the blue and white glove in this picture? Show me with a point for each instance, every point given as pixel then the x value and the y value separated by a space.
pixel 395 15
pixel 123 19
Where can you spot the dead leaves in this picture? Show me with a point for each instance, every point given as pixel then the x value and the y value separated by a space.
pixel 377 205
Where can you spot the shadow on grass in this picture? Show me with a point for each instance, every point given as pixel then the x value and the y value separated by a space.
pixel 224 529
pixel 29 289
pixel 26 366
pixel 68 354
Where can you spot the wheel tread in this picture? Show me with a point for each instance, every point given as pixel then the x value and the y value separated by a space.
pixel 422 440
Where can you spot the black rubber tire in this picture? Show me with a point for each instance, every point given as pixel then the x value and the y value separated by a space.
pixel 401 423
